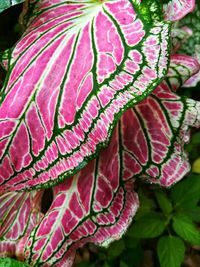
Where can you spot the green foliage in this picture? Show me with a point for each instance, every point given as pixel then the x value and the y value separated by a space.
pixel 8 262
pixel 170 251
pixel 166 219
pixel 185 228
pixel 148 226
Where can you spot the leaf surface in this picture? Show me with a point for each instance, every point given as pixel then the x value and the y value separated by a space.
pixel 4 4
pixel 176 9
pixel 148 226
pixel 98 203
pixel 185 228
pixel 70 79
pixel 170 251
pixel 191 45
pixel 7 262
pixel 154 131
pixel 19 213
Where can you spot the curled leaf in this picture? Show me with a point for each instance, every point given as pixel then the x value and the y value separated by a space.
pixel 57 113
pixel 98 203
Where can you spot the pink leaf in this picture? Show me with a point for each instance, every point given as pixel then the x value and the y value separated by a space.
pixel 19 214
pixel 98 203
pixel 176 10
pixel 69 81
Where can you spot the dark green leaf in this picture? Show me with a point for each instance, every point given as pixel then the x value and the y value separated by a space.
pixel 116 249
pixel 164 202
pixel 148 226
pixel 146 205
pixel 185 228
pixel 123 264
pixel 187 192
pixel 106 265
pixel 132 257
pixel 170 251
pixel 193 213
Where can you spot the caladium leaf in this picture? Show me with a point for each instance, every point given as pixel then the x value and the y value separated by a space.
pixel 4 4
pixel 97 204
pixel 70 79
pixel 191 45
pixel 19 213
pixel 176 9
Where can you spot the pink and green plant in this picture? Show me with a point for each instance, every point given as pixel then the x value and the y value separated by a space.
pixel 89 105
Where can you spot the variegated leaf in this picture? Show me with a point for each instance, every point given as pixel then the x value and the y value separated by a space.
pixel 77 67
pixel 177 9
pixel 4 4
pixel 195 79
pixel 19 213
pixel 191 46
pixel 97 204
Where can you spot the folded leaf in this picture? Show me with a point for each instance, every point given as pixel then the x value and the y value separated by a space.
pixel 98 203
pixel 19 213
pixel 176 9
pixel 70 79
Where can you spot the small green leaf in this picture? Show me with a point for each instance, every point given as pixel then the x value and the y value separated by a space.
pixel 186 193
pixel 193 213
pixel 196 166
pixel 116 248
pixel 146 205
pixel 170 250
pixel 163 202
pixel 185 228
pixel 148 226
pixel 7 262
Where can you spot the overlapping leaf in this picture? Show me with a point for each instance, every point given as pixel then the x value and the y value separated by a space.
pixel 4 4
pixel 177 9
pixel 78 66
pixel 19 213
pixel 191 46
pixel 97 204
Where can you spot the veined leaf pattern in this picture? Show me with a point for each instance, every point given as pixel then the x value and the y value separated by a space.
pixel 191 46
pixel 97 204
pixel 177 9
pixel 76 69
pixel 19 214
